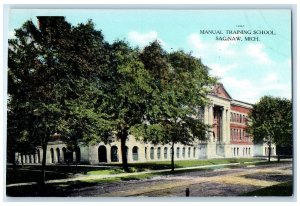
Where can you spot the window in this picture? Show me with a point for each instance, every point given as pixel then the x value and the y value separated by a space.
pixel 135 153
pixel 183 152
pixel 52 155
pixel 240 134
pixel 152 153
pixel 158 153
pixel 102 154
pixel 189 152
pixel 114 154
pixel 146 153
pixel 194 152
pixel 177 152
pixel 166 153
pixel 58 154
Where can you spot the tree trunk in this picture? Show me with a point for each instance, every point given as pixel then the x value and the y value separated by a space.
pixel 172 157
pixel 123 137
pixel 43 170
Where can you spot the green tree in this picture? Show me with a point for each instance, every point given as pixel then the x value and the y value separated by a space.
pixel 52 85
pixel 126 92
pixel 271 122
pixel 179 96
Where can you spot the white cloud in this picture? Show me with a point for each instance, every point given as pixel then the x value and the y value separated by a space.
pixel 219 70
pixel 256 51
pixel 213 48
pixel 142 39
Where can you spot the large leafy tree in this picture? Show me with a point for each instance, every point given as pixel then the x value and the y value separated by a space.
pixel 180 93
pixel 126 92
pixel 52 72
pixel 271 122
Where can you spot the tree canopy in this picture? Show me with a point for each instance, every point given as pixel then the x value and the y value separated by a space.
pixel 68 80
pixel 271 121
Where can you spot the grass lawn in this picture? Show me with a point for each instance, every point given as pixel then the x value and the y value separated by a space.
pixel 187 163
pixel 32 174
pixel 283 189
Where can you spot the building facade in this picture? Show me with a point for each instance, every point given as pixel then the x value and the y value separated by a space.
pixel 228 138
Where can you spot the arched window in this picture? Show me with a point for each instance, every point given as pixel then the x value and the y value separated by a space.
pixel 52 155
pixel 246 151
pixel 234 154
pixel 102 154
pixel 189 152
pixel 146 153
pixel 177 152
pixel 78 154
pixel 135 154
pixel 152 153
pixel 183 152
pixel 114 154
pixel 165 153
pixel 249 151
pixel 22 159
pixel 194 152
pixel 237 151
pixel 58 154
pixel 64 150
pixel 158 153
pixel 38 156
pixel 266 152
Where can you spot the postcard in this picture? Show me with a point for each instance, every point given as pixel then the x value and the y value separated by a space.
pixel 149 103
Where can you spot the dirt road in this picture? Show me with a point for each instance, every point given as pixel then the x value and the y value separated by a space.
pixel 219 182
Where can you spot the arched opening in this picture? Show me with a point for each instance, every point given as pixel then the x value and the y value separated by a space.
pixel 165 153
pixel 189 152
pixel 266 152
pixel 114 154
pixel 249 151
pixel 38 156
pixel 58 154
pixel 102 155
pixel 146 153
pixel 64 150
pixel 177 152
pixel 194 152
pixel 152 153
pixel 158 152
pixel 135 153
pixel 34 158
pixel 246 151
pixel 183 152
pixel 52 155
pixel 234 153
pixel 77 154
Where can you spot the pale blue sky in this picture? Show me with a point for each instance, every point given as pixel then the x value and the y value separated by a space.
pixel 248 69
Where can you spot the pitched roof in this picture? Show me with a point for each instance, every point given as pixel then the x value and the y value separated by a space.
pixel 220 91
